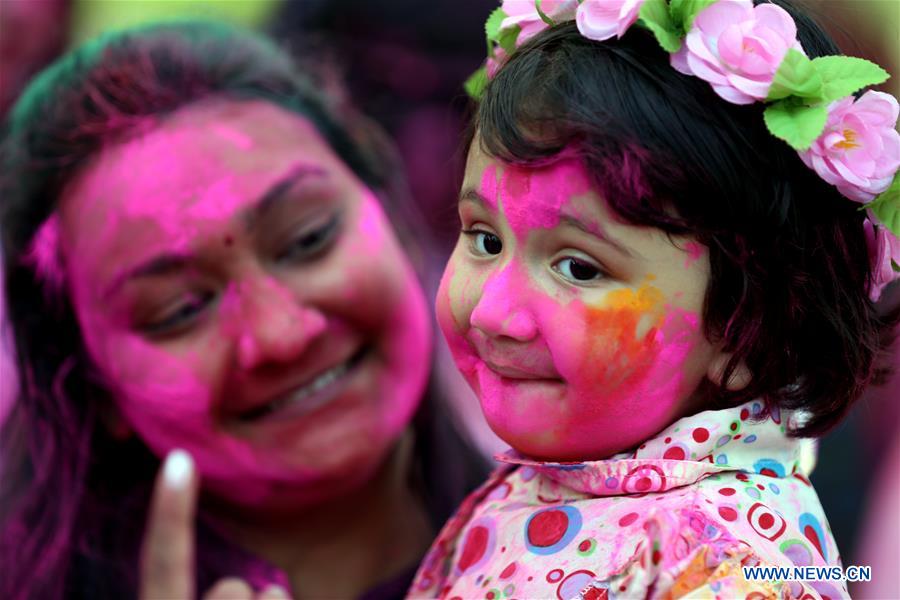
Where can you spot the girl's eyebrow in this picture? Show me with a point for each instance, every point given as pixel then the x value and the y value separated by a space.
pixel 472 195
pixel 596 232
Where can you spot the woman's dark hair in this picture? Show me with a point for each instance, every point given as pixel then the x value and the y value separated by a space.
pixel 788 255
pixel 73 496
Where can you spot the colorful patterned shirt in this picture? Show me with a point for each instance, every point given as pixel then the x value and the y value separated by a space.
pixel 678 517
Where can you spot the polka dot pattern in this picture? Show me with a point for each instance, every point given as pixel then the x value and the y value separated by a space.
pixel 719 484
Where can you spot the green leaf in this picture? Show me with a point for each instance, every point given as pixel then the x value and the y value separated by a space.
pixel 846 75
pixel 654 15
pixel 886 207
pixel 476 83
pixel 492 25
pixel 507 38
pixel 544 17
pixel 796 124
pixel 796 76
pixel 684 12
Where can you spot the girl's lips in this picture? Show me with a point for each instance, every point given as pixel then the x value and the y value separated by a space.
pixel 511 372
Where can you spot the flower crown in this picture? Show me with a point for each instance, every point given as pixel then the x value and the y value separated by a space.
pixel 750 53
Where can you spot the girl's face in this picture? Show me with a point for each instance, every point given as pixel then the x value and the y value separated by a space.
pixel 581 335
pixel 246 299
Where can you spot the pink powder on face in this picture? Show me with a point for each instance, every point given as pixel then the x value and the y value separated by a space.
pixel 695 252
pixel 489 187
pixel 233 136
pixel 534 198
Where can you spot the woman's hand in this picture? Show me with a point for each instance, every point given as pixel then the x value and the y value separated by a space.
pixel 167 556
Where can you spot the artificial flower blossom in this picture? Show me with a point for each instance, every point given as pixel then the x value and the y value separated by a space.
pixel 859 151
pixel 524 13
pixel 737 47
pixel 602 19
pixel 883 248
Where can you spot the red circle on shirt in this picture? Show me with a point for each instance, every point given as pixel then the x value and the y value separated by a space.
pixel 547 528
pixel 728 513
pixel 727 491
pixel 628 519
pixel 701 435
pixel 674 453
pixel 474 547
pixel 508 571
pixel 766 520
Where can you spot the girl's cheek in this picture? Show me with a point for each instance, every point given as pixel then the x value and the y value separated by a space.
pixel 453 306
pixel 617 341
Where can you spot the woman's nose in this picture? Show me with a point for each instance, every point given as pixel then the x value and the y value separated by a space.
pixel 500 311
pixel 275 326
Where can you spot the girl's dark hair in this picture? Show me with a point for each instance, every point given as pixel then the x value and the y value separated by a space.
pixel 72 496
pixel 788 255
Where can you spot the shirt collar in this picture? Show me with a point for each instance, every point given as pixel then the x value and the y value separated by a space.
pixel 745 438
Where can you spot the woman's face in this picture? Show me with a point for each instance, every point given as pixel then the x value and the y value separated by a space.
pixel 246 299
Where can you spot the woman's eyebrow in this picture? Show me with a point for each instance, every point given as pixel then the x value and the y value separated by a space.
pixel 161 264
pixel 278 192
pixel 169 263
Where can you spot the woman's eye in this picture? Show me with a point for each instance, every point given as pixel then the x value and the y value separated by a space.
pixel 309 243
pixel 484 243
pixel 180 316
pixel 578 270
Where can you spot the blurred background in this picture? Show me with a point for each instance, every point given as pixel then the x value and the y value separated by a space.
pixel 403 63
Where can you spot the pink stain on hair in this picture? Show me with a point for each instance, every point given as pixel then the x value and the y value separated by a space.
pixel 44 254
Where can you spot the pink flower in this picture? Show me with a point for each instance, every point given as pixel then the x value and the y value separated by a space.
pixel 495 62
pixel 737 47
pixel 602 19
pixel 883 247
pixel 859 151
pixel 524 14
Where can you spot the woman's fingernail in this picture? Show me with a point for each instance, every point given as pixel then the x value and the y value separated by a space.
pixel 178 469
pixel 275 592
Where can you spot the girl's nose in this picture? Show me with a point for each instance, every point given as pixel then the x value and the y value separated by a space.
pixel 275 326
pixel 501 311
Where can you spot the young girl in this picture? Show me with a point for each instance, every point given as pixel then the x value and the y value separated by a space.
pixel 655 298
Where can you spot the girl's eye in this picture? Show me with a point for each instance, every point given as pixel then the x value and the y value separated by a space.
pixel 578 270
pixel 179 317
pixel 311 242
pixel 484 243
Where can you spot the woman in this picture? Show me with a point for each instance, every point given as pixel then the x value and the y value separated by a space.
pixel 199 255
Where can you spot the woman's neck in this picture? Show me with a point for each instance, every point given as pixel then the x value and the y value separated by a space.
pixel 350 543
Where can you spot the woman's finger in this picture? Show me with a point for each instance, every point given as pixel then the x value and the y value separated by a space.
pixel 167 555
pixel 230 589
pixel 274 592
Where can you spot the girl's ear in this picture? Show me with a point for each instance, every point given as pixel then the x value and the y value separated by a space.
pixel 740 377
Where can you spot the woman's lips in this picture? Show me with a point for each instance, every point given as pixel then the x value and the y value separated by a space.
pixel 309 395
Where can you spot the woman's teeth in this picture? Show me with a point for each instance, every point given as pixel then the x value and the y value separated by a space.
pixel 319 383
pixel 309 397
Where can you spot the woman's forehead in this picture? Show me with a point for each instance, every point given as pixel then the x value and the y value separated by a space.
pixel 194 173
pixel 205 161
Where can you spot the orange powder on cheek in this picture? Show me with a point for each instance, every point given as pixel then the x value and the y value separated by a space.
pixel 617 353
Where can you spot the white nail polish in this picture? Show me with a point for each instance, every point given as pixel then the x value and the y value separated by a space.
pixel 177 469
